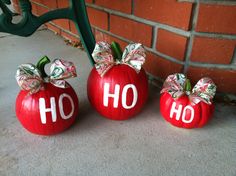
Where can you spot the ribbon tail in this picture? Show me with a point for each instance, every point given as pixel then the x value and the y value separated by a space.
pixel 59 83
pixel 103 68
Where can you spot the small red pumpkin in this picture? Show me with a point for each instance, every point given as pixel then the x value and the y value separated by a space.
pixel 184 109
pixel 49 110
pixel 120 92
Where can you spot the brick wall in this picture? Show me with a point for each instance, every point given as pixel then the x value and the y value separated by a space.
pixel 194 37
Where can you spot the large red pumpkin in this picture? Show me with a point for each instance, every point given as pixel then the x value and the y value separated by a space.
pixel 49 111
pixel 44 107
pixel 120 93
pixel 187 108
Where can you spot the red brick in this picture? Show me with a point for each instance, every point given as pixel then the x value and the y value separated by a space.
pixel 132 30
pixel 210 50
pixel 15 2
pixel 69 37
pixel 98 18
pixel 62 3
pixel 160 67
pixel 16 8
pixel 52 4
pixel 217 18
pixel 38 1
pixel 121 5
pixel 169 12
pixel 171 44
pixel 99 36
pixel 53 28
pixel 41 10
pixel 73 28
pixel 64 23
pixel 225 80
pixel 89 1
pixel 34 9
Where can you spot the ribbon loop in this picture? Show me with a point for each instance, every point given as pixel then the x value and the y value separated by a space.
pixel 204 90
pixel 174 85
pixel 30 78
pixel 60 70
pixel 133 56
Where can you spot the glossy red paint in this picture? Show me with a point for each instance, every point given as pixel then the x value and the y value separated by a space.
pixel 28 109
pixel 121 75
pixel 201 112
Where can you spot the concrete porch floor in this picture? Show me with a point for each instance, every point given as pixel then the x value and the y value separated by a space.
pixel 145 145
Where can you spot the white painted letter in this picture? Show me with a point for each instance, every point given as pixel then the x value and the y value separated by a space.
pixel 174 110
pixel 184 114
pixel 64 95
pixel 124 95
pixel 106 95
pixel 43 109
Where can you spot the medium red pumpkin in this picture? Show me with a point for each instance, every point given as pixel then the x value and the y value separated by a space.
pixel 61 104
pixel 181 113
pixel 120 93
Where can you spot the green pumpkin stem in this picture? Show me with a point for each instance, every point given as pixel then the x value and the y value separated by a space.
pixel 188 86
pixel 116 50
pixel 41 64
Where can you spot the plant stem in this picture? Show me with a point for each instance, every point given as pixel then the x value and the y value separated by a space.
pixel 188 86
pixel 41 64
pixel 116 50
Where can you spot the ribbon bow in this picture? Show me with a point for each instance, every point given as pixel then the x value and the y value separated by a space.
pixel 31 78
pixel 133 56
pixel 204 90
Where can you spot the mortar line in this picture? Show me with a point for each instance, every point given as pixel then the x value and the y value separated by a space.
pixel 207 65
pixel 194 17
pixel 214 35
pixel 233 61
pixel 61 28
pixel 41 5
pixel 132 7
pixel 154 37
pixel 225 2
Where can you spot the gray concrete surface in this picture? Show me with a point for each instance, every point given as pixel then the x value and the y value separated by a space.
pixel 94 146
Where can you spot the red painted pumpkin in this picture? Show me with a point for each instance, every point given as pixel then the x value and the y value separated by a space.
pixel 49 111
pixel 120 94
pixel 187 108
pixel 46 105
pixel 181 113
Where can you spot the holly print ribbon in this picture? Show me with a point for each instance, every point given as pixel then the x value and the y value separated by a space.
pixel 133 56
pixel 30 78
pixel 204 90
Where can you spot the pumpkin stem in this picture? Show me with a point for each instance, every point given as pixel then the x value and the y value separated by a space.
pixel 116 50
pixel 188 86
pixel 41 64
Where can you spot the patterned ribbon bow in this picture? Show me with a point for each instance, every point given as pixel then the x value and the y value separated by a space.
pixel 30 78
pixel 204 90
pixel 133 56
